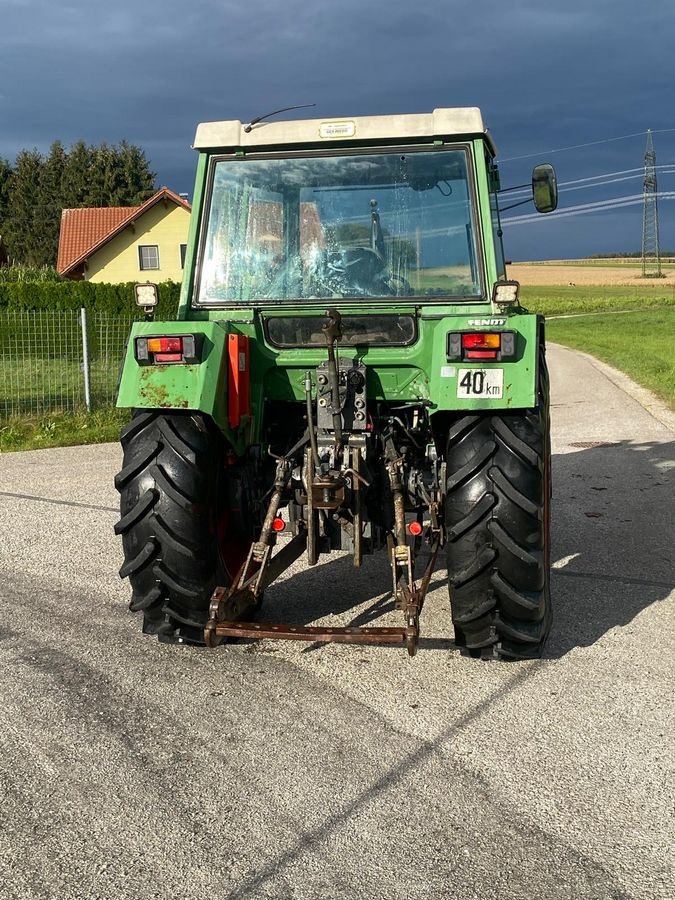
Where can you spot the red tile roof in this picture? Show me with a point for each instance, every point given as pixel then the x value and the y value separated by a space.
pixel 84 231
pixel 84 228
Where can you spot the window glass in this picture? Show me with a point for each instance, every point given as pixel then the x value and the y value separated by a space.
pixel 357 331
pixel 148 256
pixel 376 226
pixel 183 250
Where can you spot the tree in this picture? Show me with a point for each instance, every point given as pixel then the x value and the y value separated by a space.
pixel 118 176
pixel 34 193
pixel 75 182
pixel 48 205
pixel 5 177
pixel 138 179
pixel 106 180
pixel 22 239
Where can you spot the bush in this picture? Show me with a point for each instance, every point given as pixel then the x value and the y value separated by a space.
pixel 20 273
pixel 110 298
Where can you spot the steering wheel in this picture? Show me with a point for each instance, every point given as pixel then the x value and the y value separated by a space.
pixel 354 271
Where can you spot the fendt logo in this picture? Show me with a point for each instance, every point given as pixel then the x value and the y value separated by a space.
pixel 480 322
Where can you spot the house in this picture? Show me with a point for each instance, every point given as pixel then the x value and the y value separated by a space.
pixel 130 243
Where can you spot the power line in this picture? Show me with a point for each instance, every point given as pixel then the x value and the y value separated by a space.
pixel 622 137
pixel 583 187
pixel 583 183
pixel 585 208
pixel 639 169
pixel 627 200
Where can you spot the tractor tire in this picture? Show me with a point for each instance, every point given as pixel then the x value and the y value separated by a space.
pixel 497 521
pixel 182 533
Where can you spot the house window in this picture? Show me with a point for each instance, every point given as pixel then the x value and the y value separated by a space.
pixel 183 250
pixel 148 256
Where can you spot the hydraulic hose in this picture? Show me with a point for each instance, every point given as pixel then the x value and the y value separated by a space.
pixel 310 419
pixel 333 332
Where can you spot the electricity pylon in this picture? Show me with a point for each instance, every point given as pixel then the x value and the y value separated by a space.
pixel 651 258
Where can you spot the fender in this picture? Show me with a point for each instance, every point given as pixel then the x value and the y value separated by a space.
pixel 201 385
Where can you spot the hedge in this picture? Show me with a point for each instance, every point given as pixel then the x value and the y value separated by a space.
pixel 110 298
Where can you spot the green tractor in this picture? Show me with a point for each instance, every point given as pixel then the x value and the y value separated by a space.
pixel 349 370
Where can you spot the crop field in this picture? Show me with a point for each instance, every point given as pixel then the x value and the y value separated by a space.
pixel 601 274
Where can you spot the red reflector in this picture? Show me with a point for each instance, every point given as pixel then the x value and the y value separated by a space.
pixel 480 354
pixel 165 345
pixel 278 524
pixel 481 340
pixel 415 528
pixel 239 378
pixel 168 357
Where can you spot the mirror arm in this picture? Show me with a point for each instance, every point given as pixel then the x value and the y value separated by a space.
pixel 513 205
pixel 516 187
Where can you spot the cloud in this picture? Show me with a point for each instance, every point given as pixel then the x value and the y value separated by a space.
pixel 545 76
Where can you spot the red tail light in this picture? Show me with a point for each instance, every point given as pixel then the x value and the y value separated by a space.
pixel 184 348
pixel 481 345
pixel 482 340
pixel 495 345
pixel 165 345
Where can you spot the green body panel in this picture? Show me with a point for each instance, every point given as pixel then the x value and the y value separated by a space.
pixel 184 306
pixel 417 372
pixel 200 386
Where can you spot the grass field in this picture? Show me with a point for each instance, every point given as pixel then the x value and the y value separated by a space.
pixel 62 429
pixel 34 383
pixel 639 343
pixel 556 300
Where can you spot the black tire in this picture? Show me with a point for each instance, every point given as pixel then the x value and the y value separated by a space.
pixel 179 533
pixel 497 521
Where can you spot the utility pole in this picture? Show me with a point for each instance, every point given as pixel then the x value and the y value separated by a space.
pixel 651 258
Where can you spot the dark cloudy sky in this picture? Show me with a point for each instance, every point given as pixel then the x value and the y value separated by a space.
pixel 546 75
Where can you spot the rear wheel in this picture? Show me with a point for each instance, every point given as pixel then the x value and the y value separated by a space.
pixel 497 520
pixel 183 525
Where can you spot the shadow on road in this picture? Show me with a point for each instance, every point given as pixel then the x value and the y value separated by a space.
pixel 612 534
pixel 612 553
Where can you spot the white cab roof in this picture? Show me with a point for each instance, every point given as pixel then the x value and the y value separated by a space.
pixel 441 123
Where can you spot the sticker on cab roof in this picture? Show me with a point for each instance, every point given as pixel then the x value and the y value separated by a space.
pixel 337 129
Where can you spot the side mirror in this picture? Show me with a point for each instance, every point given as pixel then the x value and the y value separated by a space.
pixel 544 188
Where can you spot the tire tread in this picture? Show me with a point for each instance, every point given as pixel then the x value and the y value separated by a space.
pixel 498 479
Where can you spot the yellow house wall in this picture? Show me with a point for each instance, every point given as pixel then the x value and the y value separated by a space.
pixel 165 225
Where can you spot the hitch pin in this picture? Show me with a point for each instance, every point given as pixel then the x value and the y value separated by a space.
pixel 357 475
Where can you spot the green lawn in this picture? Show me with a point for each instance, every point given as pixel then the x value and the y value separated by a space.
pixel 62 429
pixel 639 343
pixel 34 383
pixel 555 301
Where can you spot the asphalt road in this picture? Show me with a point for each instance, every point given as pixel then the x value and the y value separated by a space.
pixel 129 769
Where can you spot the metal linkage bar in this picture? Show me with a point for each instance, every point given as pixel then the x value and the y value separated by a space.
pixel 242 598
pixel 414 600
pixel 313 633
